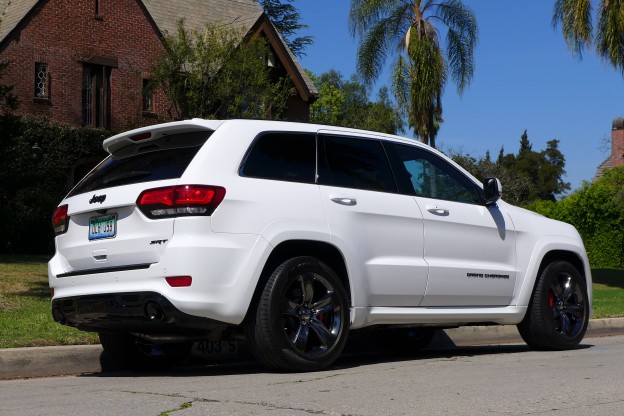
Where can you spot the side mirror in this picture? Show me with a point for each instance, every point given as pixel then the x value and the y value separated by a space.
pixel 492 190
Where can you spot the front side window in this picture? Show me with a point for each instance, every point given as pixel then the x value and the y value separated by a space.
pixel 355 163
pixel 41 80
pixel 425 174
pixel 282 156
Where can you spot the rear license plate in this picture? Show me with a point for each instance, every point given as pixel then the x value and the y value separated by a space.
pixel 104 226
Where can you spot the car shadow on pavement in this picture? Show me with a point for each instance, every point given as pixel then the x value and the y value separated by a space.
pixel 360 351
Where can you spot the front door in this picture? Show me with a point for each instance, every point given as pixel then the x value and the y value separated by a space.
pixel 470 248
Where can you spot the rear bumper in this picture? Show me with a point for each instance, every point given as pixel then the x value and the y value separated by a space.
pixel 138 312
pixel 224 268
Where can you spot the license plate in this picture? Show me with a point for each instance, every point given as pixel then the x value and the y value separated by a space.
pixel 104 226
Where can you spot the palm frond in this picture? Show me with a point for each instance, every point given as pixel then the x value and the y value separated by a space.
pixel 576 23
pixel 366 13
pixel 376 43
pixel 610 32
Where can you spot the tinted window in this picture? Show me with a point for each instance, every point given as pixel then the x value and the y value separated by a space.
pixel 166 158
pixel 356 163
pixel 425 174
pixel 282 156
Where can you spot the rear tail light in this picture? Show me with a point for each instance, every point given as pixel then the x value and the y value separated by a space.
pixel 182 200
pixel 179 281
pixel 60 219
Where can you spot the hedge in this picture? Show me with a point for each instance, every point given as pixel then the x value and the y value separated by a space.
pixel 39 159
pixel 597 212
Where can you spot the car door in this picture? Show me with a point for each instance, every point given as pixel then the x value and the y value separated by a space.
pixel 379 231
pixel 470 248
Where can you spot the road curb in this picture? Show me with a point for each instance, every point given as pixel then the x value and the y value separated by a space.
pixel 79 359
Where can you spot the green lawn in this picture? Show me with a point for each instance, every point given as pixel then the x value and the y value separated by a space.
pixel 25 317
pixel 608 293
pixel 26 321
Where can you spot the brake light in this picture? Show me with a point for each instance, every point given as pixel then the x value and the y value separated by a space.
pixel 60 219
pixel 182 200
pixel 141 136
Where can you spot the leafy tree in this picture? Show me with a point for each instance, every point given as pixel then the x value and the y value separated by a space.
pixel 285 18
pixel 527 176
pixel 214 75
pixel 575 17
pixel 421 67
pixel 346 103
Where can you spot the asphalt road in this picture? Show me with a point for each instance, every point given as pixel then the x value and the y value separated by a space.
pixel 505 380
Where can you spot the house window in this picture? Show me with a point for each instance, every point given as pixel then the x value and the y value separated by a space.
pixel 41 80
pixel 148 95
pixel 96 95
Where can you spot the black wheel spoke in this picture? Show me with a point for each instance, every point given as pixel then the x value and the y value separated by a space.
pixel 574 310
pixel 324 334
pixel 567 289
pixel 565 324
pixel 325 304
pixel 300 340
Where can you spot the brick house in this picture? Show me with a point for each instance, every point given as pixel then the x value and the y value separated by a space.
pixel 616 158
pixel 86 62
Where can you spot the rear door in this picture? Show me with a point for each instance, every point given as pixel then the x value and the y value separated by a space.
pixel 470 248
pixel 379 230
pixel 106 229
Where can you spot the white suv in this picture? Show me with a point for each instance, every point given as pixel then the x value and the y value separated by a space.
pixel 293 234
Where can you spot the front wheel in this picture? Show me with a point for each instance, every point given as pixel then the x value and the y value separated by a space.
pixel 301 319
pixel 558 313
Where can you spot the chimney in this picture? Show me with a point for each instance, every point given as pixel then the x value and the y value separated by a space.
pixel 617 142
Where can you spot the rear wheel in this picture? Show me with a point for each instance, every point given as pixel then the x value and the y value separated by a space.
pixel 301 319
pixel 134 353
pixel 558 314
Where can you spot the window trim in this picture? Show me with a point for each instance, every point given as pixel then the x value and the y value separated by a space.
pixel 281 132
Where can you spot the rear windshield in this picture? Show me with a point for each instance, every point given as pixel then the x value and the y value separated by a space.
pixel 167 158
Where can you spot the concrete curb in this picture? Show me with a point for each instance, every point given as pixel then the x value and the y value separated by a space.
pixel 79 359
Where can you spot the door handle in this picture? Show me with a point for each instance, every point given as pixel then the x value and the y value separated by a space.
pixel 345 201
pixel 443 212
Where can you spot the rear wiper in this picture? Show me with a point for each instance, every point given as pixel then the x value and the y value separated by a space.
pixel 120 177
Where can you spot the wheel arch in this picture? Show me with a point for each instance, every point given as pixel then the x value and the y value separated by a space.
pixel 326 252
pixel 551 254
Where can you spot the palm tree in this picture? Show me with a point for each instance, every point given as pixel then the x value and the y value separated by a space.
pixel 575 17
pixel 410 30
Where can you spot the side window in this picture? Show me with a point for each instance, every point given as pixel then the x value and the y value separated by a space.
pixel 282 156
pixel 355 163
pixel 424 174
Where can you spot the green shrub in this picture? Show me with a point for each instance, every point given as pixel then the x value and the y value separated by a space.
pixel 39 163
pixel 597 212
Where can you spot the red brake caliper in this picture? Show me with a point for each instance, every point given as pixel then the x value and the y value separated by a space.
pixel 551 299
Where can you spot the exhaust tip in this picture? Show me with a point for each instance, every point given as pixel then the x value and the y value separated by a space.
pixel 154 311
pixel 59 316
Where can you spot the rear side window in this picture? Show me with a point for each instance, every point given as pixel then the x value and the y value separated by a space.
pixel 356 163
pixel 287 157
pixel 167 158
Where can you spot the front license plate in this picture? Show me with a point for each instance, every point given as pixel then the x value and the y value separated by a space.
pixel 104 226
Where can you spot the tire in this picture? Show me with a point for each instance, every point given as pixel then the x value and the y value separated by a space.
pixel 558 313
pixel 404 340
pixel 133 353
pixel 300 321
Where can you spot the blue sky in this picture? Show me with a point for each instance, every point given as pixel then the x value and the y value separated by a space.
pixel 525 78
